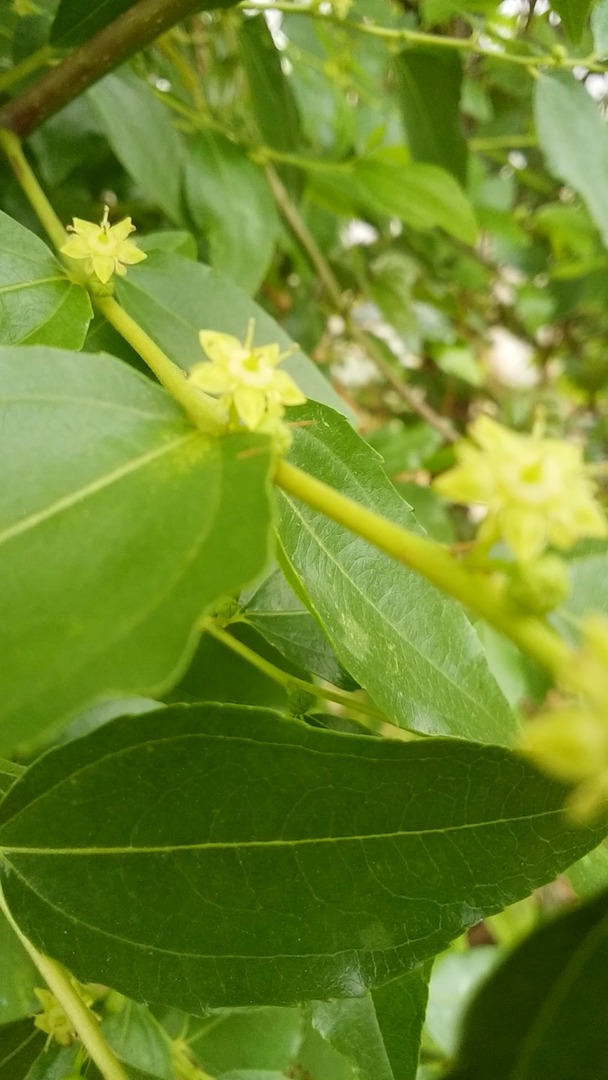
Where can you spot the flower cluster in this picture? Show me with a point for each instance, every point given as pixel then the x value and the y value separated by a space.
pixel 571 743
pixel 252 392
pixel 104 247
pixel 537 491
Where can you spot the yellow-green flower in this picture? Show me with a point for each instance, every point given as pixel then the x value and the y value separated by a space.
pixel 53 1020
pixel 245 378
pixel 104 247
pixel 571 744
pixel 537 491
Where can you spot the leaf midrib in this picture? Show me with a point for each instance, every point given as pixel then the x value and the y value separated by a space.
pixel 157 849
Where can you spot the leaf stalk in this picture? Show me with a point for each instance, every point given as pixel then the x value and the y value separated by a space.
pixel 85 1024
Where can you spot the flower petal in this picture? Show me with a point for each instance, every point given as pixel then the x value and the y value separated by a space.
pixel 219 347
pixel 250 405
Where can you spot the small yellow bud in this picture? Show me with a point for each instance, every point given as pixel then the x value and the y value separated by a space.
pixel 104 247
pixel 539 586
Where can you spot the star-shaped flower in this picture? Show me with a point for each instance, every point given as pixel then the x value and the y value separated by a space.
pixel 104 247
pixel 252 391
pixel 538 492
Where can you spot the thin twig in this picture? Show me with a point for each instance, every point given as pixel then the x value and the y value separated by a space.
pixel 131 31
pixel 332 287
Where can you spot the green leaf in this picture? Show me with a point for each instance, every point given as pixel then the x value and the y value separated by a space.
pixel 574 139
pixel 230 201
pixel 9 772
pixel 555 986
pixel 380 1032
pixel 138 1039
pixel 420 195
pixel 20 1045
pixel 277 613
pixel 400 1008
pixel 272 100
pixel 455 978
pixel 589 875
pixel 77 20
pixel 429 84
pixel 173 298
pixel 247 1039
pixel 54 1063
pixel 142 136
pixel 574 14
pixel 38 303
pixel 412 648
pixel 19 977
pixel 218 855
pixel 218 674
pixel 599 27
pixel 119 525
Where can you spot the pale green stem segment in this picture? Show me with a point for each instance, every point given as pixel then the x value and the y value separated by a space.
pixel 288 682
pixel 31 188
pixel 197 405
pixel 432 561
pixel 473 44
pixel 83 1021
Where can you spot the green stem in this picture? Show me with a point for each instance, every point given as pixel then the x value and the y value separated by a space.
pixel 138 26
pixel 332 287
pixel 198 407
pixel 432 561
pixel 85 1024
pixel 419 37
pixel 288 682
pixel 31 188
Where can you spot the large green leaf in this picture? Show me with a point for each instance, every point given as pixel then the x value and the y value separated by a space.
pixel 173 298
pixel 142 136
pixel 407 644
pixel 230 201
pixel 574 139
pixel 38 303
pixel 220 855
pixel 555 986
pixel 574 15
pixel 119 524
pixel 429 85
